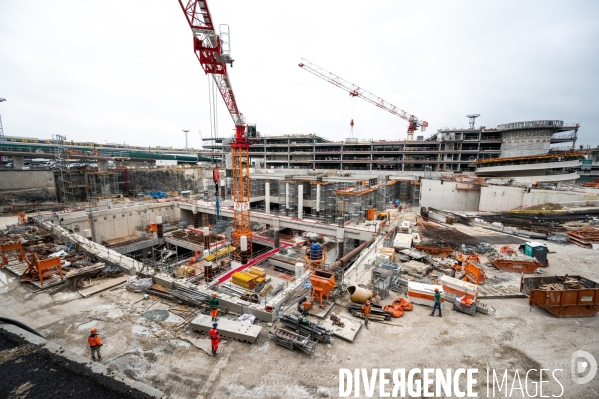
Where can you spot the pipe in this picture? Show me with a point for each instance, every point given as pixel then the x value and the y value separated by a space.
pixel 343 261
pixel 20 325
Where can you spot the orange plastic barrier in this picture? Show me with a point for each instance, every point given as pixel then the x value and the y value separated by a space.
pixel 403 304
pixel 393 311
pixel 398 307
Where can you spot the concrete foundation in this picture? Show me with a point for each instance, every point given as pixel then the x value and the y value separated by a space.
pixel 228 328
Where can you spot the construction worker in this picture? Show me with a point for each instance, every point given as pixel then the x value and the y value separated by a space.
pixel 366 312
pixel 95 343
pixel 214 307
pixel 460 259
pixel 437 305
pixel 215 337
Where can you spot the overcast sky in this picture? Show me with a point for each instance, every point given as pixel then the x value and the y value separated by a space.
pixel 125 71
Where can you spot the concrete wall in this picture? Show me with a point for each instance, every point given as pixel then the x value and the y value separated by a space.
pixel 447 195
pixel 496 198
pixel 27 186
pixel 120 222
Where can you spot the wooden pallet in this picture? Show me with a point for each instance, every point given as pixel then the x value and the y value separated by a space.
pixel 499 292
pixel 18 268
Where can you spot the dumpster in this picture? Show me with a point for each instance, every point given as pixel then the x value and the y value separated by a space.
pixel 562 296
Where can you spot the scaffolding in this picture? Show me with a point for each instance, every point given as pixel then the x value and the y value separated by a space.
pixel 64 180
pixel 288 197
pixel 415 194
pixel 103 184
pixel 404 191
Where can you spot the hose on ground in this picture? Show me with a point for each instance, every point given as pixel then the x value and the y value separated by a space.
pixel 20 325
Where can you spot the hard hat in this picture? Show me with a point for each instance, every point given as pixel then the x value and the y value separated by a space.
pixel 214 294
pixel 215 325
pixel 94 330
pixel 436 290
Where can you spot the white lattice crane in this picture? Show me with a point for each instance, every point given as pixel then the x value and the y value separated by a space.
pixel 356 91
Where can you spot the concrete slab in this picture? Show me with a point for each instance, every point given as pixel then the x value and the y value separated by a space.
pixel 319 312
pixel 103 286
pixel 415 268
pixel 163 280
pixel 347 333
pixel 228 328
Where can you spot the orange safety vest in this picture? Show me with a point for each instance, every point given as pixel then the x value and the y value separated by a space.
pixel 366 310
pixel 94 340
pixel 214 334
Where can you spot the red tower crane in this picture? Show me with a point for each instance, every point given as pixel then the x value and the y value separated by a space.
pixel 214 55
pixel 356 91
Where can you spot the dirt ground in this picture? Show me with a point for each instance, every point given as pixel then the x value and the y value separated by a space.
pixel 178 363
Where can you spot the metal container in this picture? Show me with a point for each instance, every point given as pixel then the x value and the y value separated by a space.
pixel 562 300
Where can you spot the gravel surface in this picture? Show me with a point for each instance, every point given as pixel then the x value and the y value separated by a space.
pixel 29 371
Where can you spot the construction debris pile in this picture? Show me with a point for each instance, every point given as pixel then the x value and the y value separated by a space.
pixel 38 257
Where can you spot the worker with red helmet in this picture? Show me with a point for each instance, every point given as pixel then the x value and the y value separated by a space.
pixel 95 343
pixel 215 338
pixel 437 304
pixel 213 302
pixel 366 312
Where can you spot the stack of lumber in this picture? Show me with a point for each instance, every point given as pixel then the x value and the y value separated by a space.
pixel 85 271
pixel 259 273
pixel 244 279
pixel 376 312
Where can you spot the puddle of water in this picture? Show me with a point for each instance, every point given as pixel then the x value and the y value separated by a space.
pixel 156 315
pixel 7 281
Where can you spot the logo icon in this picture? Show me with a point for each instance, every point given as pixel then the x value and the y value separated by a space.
pixel 582 362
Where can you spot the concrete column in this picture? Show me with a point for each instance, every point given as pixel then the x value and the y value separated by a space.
pixel 318 200
pixel 277 237
pixel 287 195
pixel 196 216
pixel 18 162
pixel 267 197
pixel 206 236
pixel 300 201
pixel 243 243
pixel 102 165
pixel 159 232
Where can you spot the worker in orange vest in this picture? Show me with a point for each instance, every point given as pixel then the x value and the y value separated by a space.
pixel 213 302
pixel 215 338
pixel 366 312
pixel 95 344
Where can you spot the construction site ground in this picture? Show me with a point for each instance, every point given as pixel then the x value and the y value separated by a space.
pixel 178 361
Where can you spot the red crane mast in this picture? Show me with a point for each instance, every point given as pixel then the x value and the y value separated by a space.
pixel 214 57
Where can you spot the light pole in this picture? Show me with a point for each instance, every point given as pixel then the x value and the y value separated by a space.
pixel 186 131
pixel 1 129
